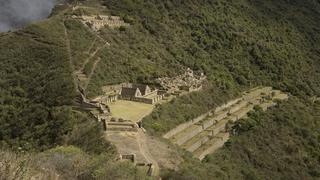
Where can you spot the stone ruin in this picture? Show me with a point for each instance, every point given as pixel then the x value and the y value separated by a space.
pixel 170 87
pixel 132 92
pixel 99 21
pixel 208 132
pixel 141 93
pixel 188 82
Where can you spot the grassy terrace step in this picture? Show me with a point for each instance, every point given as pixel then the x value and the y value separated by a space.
pixel 220 117
pixel 280 96
pixel 238 106
pixel 208 133
pixel 242 113
pixel 222 110
pixel 211 145
pixel 186 134
pixel 222 114
pixel 195 129
pixel 252 94
pixel 195 142
pixel 267 105
pixel 216 128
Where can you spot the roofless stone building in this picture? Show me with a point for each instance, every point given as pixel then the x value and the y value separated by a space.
pixel 140 93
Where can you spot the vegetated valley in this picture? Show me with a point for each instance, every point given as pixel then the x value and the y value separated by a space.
pixel 237 44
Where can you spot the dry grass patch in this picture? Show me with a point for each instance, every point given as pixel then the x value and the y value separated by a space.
pixel 130 110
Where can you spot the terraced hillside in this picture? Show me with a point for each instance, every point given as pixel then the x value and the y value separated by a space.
pixel 238 44
pixel 209 132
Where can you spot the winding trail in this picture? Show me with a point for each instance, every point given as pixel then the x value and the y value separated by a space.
pixel 78 75
pixel 142 141
pixel 91 73
pixel 92 44
pixel 91 56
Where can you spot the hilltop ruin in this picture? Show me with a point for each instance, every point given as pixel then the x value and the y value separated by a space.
pixel 188 82
pixel 100 21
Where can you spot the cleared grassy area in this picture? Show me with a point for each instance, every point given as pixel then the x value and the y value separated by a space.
pixel 130 110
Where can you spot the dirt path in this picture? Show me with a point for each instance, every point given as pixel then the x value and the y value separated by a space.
pixel 92 44
pixel 92 71
pixel 91 56
pixel 147 149
pixel 144 149
pixel 67 41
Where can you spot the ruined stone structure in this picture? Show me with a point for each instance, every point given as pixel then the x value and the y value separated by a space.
pixel 100 21
pixel 208 132
pixel 185 83
pixel 130 92
pixel 188 82
pixel 140 93
pixel 121 126
pixel 106 99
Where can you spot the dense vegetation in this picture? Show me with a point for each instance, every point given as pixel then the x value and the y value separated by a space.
pixel 180 110
pixel 35 87
pixel 233 42
pixel 238 44
pixel 66 162
pixel 283 143
pixel 37 114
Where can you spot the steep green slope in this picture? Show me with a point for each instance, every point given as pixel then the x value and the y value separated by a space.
pixel 238 44
pixel 35 86
pixel 282 143
pixel 37 114
pixel 233 42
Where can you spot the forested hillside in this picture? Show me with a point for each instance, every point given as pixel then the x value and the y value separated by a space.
pixel 35 86
pixel 233 42
pixel 238 44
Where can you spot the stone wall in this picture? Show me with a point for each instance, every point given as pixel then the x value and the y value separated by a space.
pixel 221 126
pixel 219 143
pixel 219 113
pixel 208 123
pixel 115 88
pixel 197 144
pixel 110 99
pixel 210 132
pixel 100 21
pixel 257 92
pixel 183 126
pixel 189 135
pixel 131 157
pixel 238 106
pixel 226 105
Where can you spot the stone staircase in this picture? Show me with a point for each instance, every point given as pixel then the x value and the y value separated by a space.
pixel 206 134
